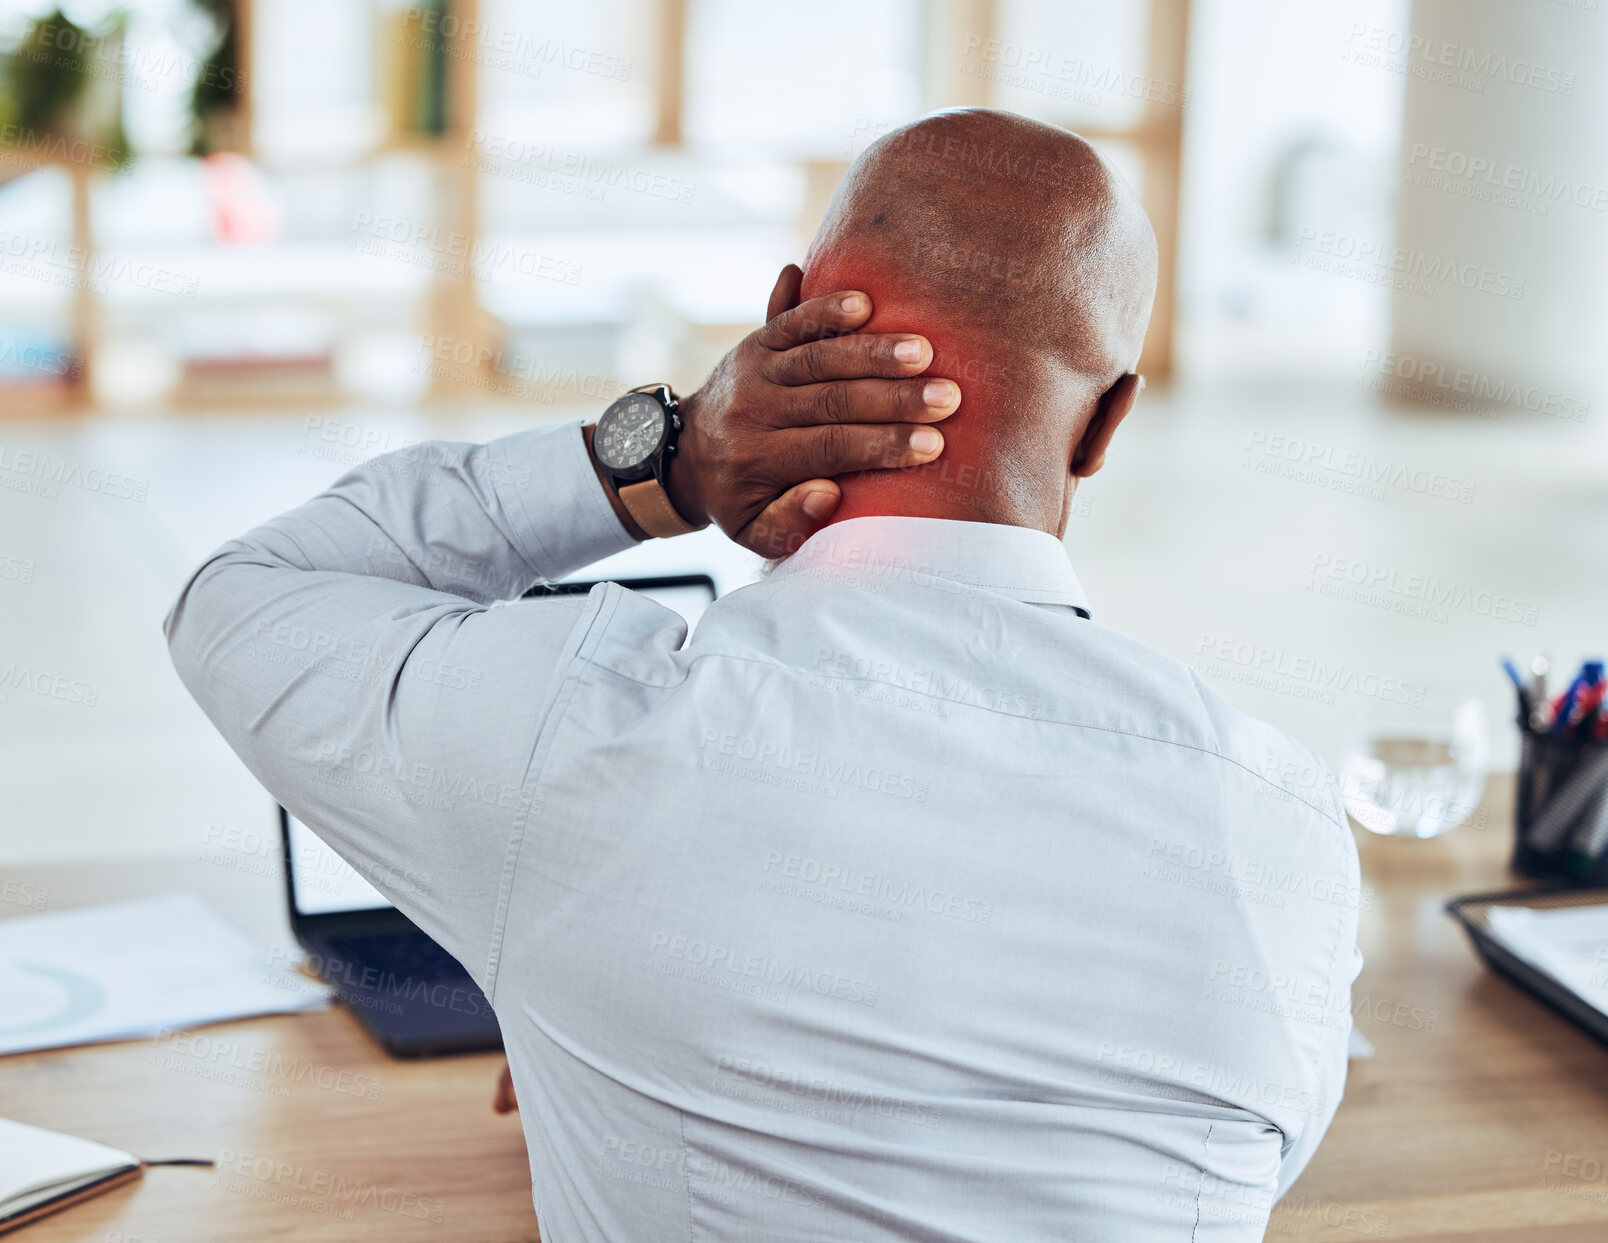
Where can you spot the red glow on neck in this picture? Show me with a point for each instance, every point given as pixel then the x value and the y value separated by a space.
pixel 959 482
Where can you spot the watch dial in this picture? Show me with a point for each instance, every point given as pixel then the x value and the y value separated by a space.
pixel 628 432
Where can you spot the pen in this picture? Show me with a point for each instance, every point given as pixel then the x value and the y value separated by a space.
pixel 1588 701
pixel 1587 705
pixel 1564 706
pixel 1519 688
pixel 1590 835
pixel 1540 666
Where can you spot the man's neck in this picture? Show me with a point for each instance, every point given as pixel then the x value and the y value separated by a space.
pixel 948 487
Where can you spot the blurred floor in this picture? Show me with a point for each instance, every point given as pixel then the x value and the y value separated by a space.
pixel 1202 537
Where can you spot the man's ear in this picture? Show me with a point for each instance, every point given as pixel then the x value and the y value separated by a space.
pixel 1112 408
pixel 785 296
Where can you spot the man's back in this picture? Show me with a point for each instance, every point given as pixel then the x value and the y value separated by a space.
pixel 920 907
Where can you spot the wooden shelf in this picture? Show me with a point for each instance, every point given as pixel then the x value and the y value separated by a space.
pixel 452 305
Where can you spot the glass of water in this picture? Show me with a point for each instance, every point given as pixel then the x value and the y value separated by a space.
pixel 1418 775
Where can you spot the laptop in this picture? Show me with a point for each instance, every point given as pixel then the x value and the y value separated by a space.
pixel 414 997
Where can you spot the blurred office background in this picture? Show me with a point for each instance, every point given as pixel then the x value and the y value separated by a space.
pixel 244 245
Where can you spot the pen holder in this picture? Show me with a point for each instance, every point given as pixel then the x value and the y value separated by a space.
pixel 1561 809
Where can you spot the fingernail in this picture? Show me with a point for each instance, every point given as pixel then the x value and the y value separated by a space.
pixel 938 393
pixel 818 504
pixel 925 441
pixel 852 305
pixel 908 350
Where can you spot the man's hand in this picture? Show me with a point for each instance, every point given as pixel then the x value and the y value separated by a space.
pixel 795 403
pixel 505 1102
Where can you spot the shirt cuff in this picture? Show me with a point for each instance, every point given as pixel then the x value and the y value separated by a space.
pixel 562 519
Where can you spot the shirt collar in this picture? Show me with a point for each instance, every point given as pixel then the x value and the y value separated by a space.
pixel 1024 564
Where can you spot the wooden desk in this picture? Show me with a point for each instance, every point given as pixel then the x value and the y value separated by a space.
pixel 1461 1129
pixel 1465 1125
pixel 411 1150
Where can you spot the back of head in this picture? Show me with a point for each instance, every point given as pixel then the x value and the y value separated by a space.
pixel 1030 266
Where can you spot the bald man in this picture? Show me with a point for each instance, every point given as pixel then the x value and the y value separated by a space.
pixel 899 901
pixel 1031 267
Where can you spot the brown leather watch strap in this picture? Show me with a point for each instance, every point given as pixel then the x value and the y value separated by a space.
pixel 651 507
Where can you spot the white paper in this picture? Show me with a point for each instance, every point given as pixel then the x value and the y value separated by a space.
pixel 1569 943
pixel 126 969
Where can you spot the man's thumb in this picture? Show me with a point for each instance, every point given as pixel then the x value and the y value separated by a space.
pixel 794 516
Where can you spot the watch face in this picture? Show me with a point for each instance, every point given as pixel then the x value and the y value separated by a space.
pixel 629 432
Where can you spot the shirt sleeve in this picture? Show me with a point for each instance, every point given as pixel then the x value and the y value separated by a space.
pixel 357 655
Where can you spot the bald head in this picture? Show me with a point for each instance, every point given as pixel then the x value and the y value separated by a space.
pixel 1029 264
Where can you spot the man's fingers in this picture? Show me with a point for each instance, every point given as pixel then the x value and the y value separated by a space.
pixel 839 448
pixel 785 295
pixel 851 358
pixel 505 1101
pixel 828 316
pixel 789 520
pixel 870 401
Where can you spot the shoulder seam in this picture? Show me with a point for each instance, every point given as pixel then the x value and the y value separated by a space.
pixel 1106 729
pixel 601 608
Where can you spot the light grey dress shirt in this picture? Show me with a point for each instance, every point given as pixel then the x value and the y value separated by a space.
pixel 899 902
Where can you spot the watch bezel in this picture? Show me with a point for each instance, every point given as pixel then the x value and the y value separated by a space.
pixel 645 468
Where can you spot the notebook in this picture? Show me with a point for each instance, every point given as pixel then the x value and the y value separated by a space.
pixel 42 1171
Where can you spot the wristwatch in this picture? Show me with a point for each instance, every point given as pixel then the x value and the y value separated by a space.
pixel 633 443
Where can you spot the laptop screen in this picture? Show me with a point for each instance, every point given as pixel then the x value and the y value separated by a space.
pixel 320 879
pixel 322 883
